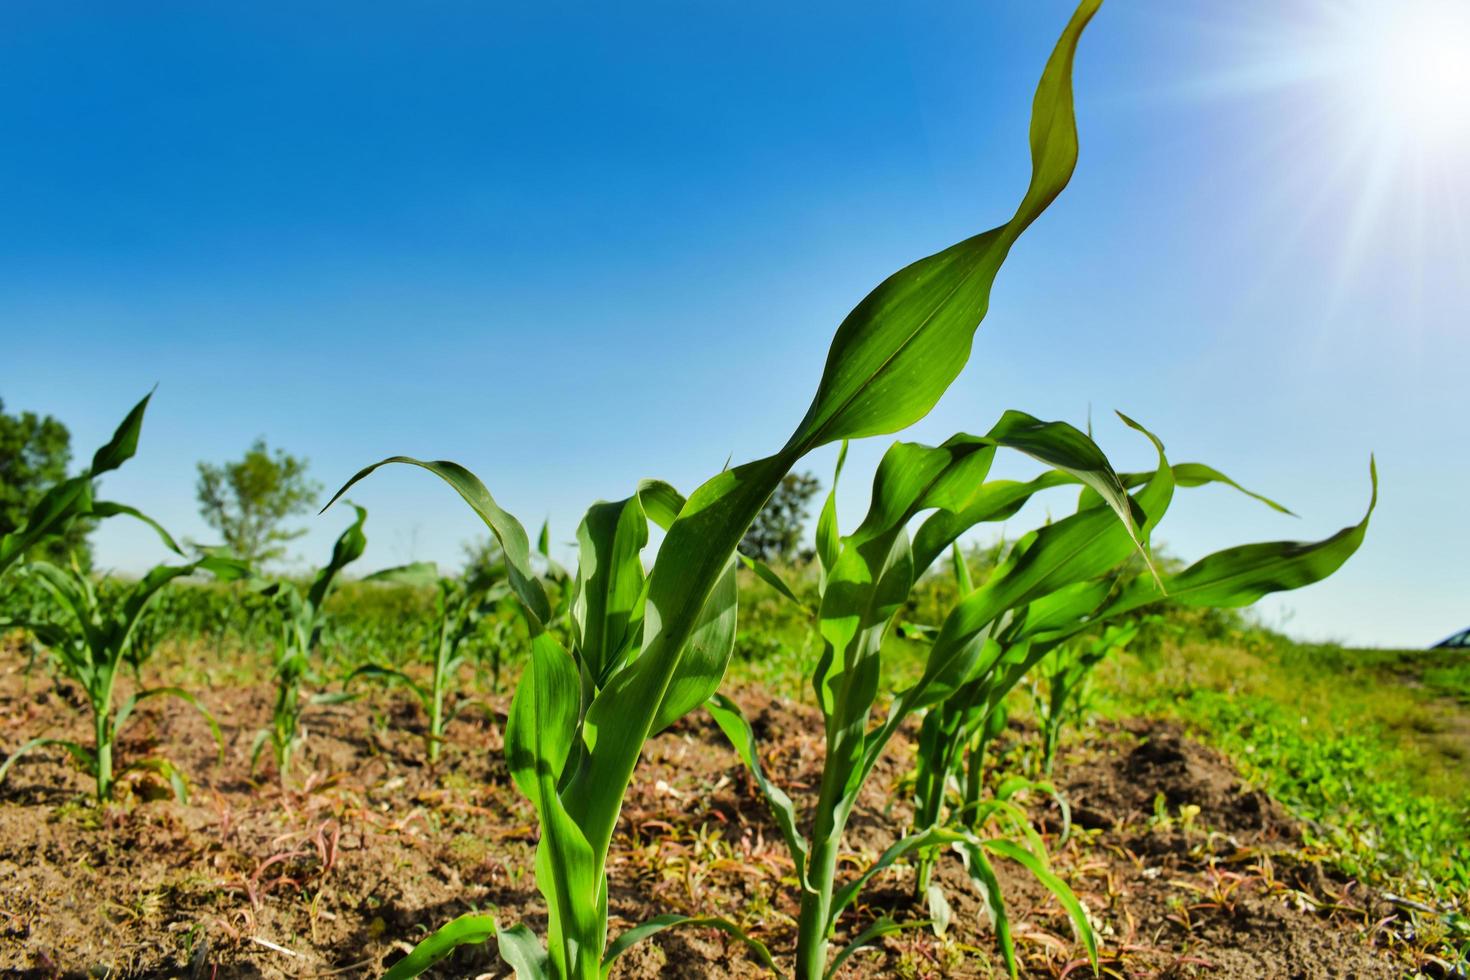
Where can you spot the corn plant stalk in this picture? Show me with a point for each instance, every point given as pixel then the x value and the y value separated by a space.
pixel 301 620
pixel 573 745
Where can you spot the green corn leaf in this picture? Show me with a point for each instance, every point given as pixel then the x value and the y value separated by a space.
pixel 50 634
pixel 983 875
pixel 828 540
pixel 83 755
pixel 1056 886
pixel 70 589
pixel 56 506
pixel 732 722
pixel 939 911
pixel 388 675
pixel 1066 448
pixel 124 712
pixel 348 548
pixel 702 666
pixel 1075 549
pixel 73 497
pixel 146 589
pixel 1198 475
pixel 913 477
pixel 1241 575
pixel 470 929
pixel 903 345
pixel 1073 456
pixel 608 592
pixel 543 718
pixel 922 840
pixel 419 574
pixel 538 739
pixel 508 531
pixel 567 874
pixel 524 953
pixel 659 923
pixel 771 577
pixel 124 442
pixel 108 508
pixel 884 926
pixel 962 580
pixel 661 502
pixel 997 500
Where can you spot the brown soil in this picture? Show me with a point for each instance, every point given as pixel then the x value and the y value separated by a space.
pixel 342 872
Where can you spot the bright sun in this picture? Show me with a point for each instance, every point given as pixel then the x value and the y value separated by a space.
pixel 1406 65
pixel 1361 130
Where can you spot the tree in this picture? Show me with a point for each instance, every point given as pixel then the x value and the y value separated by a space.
pixel 248 501
pixel 34 454
pixel 776 533
pixel 481 555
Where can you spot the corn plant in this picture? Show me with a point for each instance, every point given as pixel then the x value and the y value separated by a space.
pixel 300 622
pixel 649 647
pixel 1068 578
pixel 1060 692
pixel 460 605
pixel 89 636
pixel 866 579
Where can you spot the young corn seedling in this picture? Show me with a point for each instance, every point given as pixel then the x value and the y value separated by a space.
pixel 459 608
pixel 1060 692
pixel 648 647
pixel 866 579
pixel 1077 576
pixel 300 622
pixel 88 636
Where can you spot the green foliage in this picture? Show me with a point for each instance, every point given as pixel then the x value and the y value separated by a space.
pixel 775 534
pixel 248 501
pixel 649 646
pixel 482 555
pixel 302 618
pixel 1060 690
pixel 34 454
pixel 1352 741
pixel 89 633
pixel 460 606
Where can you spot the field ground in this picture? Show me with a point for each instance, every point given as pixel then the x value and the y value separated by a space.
pixel 339 874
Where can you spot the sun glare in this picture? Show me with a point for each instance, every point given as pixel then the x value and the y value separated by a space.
pixel 1408 68
pixel 1361 132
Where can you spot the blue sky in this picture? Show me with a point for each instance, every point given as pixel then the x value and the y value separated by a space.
pixel 575 246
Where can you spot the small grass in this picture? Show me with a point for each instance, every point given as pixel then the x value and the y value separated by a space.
pixel 1356 743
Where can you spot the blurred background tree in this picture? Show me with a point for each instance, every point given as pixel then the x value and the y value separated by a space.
pixel 481 555
pixel 777 532
pixel 34 453
pixel 249 501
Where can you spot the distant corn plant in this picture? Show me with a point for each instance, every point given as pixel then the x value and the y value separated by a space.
pixel 300 621
pixel 1071 577
pixel 867 577
pixel 1060 689
pixel 459 607
pixel 648 647
pixel 89 636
